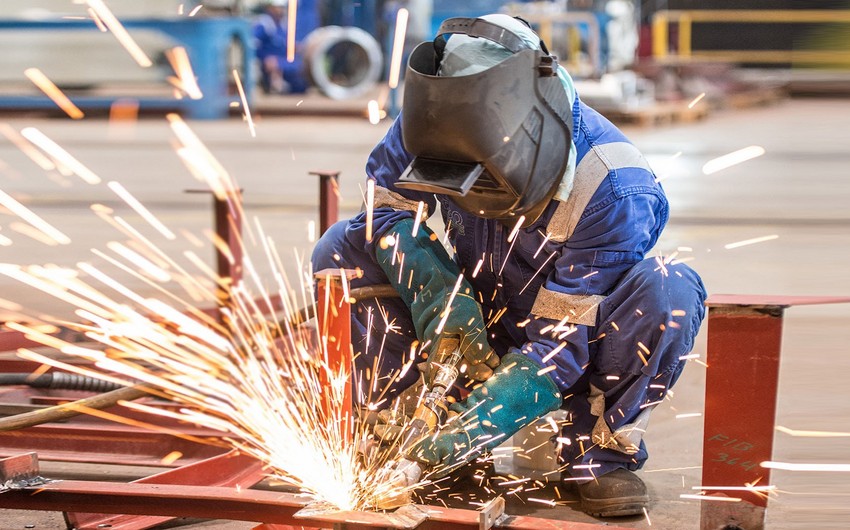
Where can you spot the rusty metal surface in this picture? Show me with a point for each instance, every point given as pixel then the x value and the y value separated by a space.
pixel 112 444
pixel 333 312
pixel 328 198
pixel 12 340
pixel 271 508
pixel 761 300
pixel 227 470
pixel 740 402
pixel 21 466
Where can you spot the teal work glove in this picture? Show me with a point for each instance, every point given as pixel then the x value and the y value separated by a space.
pixel 425 284
pixel 514 397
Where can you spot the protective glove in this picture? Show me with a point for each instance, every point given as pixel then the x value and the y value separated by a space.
pixel 425 284
pixel 515 396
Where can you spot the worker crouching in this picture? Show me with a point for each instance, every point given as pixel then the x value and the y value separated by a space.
pixel 550 212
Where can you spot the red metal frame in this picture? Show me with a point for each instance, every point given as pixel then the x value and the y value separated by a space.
pixel 269 507
pixel 334 315
pixel 328 198
pixel 226 470
pixel 744 343
pixel 12 340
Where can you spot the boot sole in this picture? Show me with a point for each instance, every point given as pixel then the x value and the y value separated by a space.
pixel 615 507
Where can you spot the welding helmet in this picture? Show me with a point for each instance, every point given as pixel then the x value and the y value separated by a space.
pixel 496 141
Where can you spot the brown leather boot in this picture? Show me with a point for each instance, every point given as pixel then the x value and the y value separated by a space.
pixel 614 494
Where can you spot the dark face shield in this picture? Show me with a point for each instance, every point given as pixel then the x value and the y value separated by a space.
pixel 497 141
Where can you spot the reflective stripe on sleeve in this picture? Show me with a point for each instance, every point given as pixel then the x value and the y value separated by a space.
pixel 591 171
pixel 578 308
pixel 390 199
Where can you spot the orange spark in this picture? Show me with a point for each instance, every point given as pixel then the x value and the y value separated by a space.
pixel 244 103
pixel 398 47
pixel 53 92
pixel 62 156
pixel 120 32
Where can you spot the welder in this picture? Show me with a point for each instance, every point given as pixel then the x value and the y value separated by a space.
pixel 550 214
pixel 278 75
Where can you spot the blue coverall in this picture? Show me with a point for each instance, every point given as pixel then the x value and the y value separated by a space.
pixel 630 346
pixel 270 41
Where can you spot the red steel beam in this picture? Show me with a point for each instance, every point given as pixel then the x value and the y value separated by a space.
pixel 328 198
pixel 114 444
pixel 12 340
pixel 334 315
pixel 743 354
pixel 272 508
pixel 227 470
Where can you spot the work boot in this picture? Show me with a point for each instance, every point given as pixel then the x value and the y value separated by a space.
pixel 614 494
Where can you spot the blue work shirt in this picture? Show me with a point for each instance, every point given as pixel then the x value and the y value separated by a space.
pixel 620 224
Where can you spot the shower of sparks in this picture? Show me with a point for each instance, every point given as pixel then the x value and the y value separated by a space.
pixel 244 103
pixel 398 47
pixel 185 80
pixel 53 92
pixel 751 241
pixel 732 159
pixel 246 374
pixel 688 415
pixel 117 29
pixel 790 466
pixel 696 100
pixel 195 10
pixel 813 434
pixel 290 31
pixel 59 154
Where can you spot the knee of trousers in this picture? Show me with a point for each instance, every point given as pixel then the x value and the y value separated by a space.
pixel 674 293
pixel 331 250
pixel 651 318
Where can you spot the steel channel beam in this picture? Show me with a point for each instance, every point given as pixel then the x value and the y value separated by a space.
pixel 334 315
pixel 743 355
pixel 227 470
pixel 271 508
pixel 113 444
pixel 328 198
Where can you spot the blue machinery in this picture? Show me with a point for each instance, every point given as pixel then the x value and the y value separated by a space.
pixel 215 46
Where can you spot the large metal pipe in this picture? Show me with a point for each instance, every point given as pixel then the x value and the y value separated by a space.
pixel 343 62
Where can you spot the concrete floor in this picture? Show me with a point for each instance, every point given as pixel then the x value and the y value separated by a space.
pixel 799 190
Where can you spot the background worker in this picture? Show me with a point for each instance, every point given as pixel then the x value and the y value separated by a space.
pixel 270 31
pixel 551 213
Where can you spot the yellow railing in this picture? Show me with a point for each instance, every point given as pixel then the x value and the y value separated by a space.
pixel 684 20
pixel 575 61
